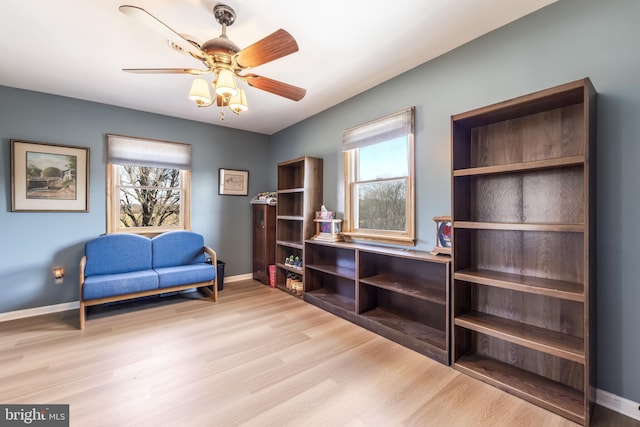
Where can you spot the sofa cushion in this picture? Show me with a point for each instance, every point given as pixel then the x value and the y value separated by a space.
pixel 117 253
pixel 185 274
pixel 106 285
pixel 176 248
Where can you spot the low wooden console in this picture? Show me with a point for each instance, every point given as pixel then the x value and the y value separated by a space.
pixel 400 294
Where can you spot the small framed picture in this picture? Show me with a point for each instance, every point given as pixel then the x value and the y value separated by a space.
pixel 233 182
pixel 49 177
pixel 443 235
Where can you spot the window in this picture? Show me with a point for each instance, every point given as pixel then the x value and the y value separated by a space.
pixel 148 185
pixel 379 177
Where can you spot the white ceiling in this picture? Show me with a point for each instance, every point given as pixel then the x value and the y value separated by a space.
pixel 77 48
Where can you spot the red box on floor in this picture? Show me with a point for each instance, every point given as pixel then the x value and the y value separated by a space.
pixel 272 276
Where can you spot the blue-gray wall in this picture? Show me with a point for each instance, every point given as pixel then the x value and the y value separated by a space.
pixel 32 243
pixel 565 41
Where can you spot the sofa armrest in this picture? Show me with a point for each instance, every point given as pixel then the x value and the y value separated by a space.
pixel 212 254
pixel 83 263
pixel 214 262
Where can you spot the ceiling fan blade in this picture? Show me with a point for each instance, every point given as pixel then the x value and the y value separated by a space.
pixel 272 47
pixel 278 88
pixel 192 71
pixel 173 37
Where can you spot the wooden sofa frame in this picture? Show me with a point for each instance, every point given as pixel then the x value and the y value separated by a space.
pixel 203 287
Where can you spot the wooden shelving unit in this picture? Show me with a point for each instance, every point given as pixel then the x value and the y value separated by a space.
pixel 402 295
pixel 299 196
pixel 523 261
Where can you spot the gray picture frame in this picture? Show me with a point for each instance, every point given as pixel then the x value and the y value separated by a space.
pixel 233 182
pixel 49 177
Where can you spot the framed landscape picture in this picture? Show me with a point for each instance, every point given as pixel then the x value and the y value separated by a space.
pixel 233 182
pixel 49 177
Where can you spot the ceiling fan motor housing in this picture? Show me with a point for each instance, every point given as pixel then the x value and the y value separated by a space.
pixel 221 48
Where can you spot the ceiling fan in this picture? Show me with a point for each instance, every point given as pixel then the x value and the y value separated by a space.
pixel 223 58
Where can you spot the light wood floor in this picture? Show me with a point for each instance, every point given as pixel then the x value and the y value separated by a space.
pixel 258 357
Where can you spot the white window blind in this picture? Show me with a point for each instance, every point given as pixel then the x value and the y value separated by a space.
pixel 146 152
pixel 379 130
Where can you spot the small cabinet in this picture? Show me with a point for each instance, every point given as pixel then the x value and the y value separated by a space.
pixel 402 295
pixel 264 240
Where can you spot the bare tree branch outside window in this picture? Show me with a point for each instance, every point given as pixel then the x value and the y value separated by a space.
pixel 149 196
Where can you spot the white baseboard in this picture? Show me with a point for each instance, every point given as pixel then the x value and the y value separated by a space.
pixel 48 309
pixel 238 278
pixel 38 311
pixel 619 404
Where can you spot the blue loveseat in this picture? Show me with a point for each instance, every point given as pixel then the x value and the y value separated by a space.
pixel 122 266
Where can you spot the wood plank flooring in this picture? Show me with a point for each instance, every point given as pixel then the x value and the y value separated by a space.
pixel 258 357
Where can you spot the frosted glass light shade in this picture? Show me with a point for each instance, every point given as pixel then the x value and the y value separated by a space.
pixel 226 84
pixel 238 103
pixel 200 92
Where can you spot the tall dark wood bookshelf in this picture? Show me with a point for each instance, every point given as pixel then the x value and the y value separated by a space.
pixel 523 208
pixel 299 197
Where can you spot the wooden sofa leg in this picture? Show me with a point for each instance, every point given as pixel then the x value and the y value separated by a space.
pixel 82 316
pixel 211 293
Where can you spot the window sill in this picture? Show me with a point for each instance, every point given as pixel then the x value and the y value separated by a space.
pixel 379 238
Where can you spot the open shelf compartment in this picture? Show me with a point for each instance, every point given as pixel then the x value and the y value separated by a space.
pixel 291 174
pixel 425 322
pixel 547 196
pixel 548 341
pixel 329 291
pixel 334 260
pixel 530 254
pixel 289 230
pixel 290 204
pixel 504 135
pixel 546 324
pixel 561 392
pixel 411 277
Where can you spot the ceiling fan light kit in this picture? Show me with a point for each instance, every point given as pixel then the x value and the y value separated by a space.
pixel 199 93
pixel 225 84
pixel 231 96
pixel 238 103
pixel 224 59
